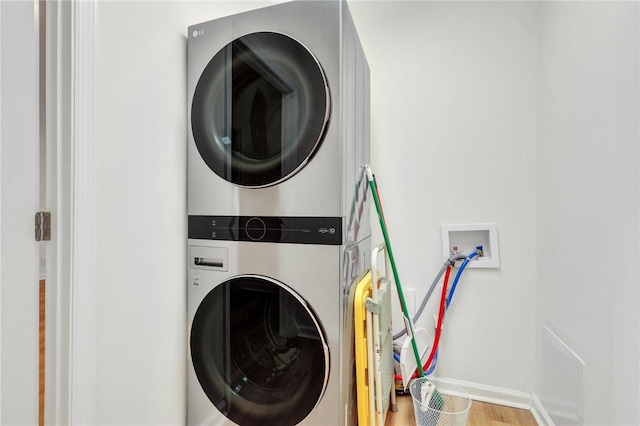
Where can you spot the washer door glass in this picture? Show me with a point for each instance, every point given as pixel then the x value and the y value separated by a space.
pixel 259 352
pixel 260 109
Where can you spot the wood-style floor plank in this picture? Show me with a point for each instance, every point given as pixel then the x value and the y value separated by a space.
pixel 41 338
pixel 480 414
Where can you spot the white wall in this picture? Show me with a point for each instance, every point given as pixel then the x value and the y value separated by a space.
pixel 453 141
pixel 455 110
pixel 588 200
pixel 139 197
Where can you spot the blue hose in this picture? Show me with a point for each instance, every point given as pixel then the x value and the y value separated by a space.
pixel 430 370
pixel 455 281
pixel 433 365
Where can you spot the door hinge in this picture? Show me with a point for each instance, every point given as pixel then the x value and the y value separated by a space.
pixel 43 226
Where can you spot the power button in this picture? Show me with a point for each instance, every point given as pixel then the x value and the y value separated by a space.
pixel 255 229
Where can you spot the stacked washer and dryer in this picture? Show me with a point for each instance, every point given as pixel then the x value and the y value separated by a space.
pixel 278 223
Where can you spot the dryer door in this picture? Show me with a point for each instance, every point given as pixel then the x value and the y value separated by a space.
pixel 260 109
pixel 259 352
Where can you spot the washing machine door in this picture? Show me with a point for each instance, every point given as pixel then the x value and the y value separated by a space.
pixel 259 352
pixel 260 109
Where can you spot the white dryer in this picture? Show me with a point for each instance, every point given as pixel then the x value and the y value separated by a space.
pixel 271 333
pixel 278 105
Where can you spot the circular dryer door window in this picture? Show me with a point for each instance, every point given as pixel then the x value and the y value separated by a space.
pixel 260 109
pixel 259 352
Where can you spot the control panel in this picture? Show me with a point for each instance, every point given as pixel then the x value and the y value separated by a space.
pixel 272 229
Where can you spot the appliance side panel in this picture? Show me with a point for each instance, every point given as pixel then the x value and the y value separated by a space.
pixel 355 123
pixel 365 79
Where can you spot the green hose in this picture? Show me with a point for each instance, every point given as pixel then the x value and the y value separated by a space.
pixel 403 304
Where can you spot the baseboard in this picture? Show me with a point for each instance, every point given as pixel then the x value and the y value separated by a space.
pixel 506 397
pixel 539 413
pixel 495 395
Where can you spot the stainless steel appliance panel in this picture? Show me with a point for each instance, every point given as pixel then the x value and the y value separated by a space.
pixel 323 276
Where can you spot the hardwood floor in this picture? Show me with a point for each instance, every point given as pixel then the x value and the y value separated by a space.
pixel 496 415
pixel 41 349
pixel 480 414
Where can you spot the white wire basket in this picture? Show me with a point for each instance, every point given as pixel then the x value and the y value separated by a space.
pixel 438 402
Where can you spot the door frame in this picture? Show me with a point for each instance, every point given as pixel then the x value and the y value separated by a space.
pixel 70 336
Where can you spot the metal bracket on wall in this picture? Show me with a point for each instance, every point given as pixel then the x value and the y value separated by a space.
pixel 43 226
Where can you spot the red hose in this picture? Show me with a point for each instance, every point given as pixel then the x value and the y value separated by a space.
pixel 436 340
pixel 443 302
